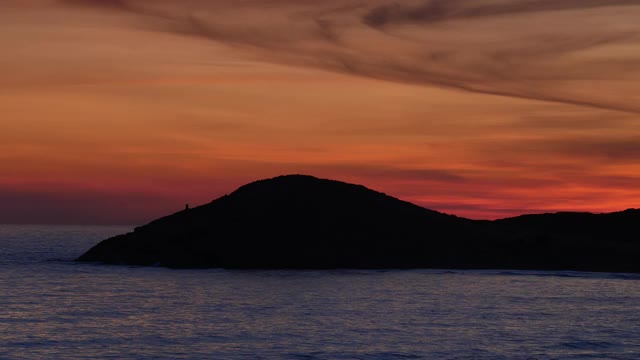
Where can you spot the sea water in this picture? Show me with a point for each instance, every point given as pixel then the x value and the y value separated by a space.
pixel 53 308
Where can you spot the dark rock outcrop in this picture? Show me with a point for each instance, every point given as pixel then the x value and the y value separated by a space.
pixel 299 221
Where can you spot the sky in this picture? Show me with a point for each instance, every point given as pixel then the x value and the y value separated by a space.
pixel 121 111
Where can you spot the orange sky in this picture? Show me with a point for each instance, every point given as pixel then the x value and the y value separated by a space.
pixel 120 111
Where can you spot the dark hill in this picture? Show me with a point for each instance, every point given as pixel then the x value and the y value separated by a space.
pixel 301 221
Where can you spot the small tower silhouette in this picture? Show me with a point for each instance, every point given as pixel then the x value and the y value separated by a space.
pixel 186 207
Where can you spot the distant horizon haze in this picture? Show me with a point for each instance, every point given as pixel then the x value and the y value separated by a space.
pixel 67 216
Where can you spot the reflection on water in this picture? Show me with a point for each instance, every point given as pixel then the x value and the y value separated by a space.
pixel 54 308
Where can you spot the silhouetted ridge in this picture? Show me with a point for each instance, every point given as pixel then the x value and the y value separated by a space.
pixel 299 221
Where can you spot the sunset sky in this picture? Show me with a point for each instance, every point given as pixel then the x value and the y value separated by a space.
pixel 121 111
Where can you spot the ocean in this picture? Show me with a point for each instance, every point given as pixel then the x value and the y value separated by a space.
pixel 53 308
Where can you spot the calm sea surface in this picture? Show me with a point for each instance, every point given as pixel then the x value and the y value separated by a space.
pixel 52 308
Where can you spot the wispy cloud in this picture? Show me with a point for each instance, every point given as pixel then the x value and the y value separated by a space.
pixel 518 48
pixel 432 11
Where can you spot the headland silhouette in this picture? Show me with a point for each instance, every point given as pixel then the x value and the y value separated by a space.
pixel 303 222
